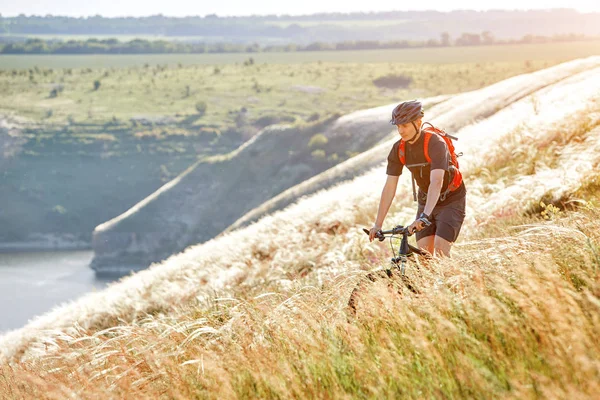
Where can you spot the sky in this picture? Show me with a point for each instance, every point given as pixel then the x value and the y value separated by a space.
pixel 179 8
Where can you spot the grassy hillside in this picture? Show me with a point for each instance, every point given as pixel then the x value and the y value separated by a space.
pixel 260 312
pixel 452 115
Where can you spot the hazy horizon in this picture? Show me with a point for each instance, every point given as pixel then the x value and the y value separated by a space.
pixel 180 8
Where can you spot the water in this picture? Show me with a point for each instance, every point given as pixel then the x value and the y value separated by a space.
pixel 34 283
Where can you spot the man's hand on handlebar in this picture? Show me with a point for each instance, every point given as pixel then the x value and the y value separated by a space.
pixel 373 232
pixel 416 226
pixel 419 224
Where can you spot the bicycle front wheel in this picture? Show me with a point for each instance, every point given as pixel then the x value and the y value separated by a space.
pixel 391 280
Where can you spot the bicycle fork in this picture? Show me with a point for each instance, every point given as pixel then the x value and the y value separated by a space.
pixel 402 260
pixel 403 253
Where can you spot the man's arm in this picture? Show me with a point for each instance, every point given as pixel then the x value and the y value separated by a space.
pixel 433 194
pixel 387 196
pixel 436 178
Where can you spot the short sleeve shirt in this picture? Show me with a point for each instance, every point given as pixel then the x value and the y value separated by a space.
pixel 414 154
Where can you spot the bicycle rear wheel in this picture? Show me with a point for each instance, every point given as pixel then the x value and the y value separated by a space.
pixel 395 281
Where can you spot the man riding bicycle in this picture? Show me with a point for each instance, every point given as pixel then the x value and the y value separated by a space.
pixel 441 195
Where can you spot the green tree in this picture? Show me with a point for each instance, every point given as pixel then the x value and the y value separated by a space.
pixel 469 39
pixel 487 38
pixel 445 39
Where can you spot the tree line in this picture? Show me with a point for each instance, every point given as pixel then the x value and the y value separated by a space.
pixel 142 46
pixel 160 24
pixel 328 27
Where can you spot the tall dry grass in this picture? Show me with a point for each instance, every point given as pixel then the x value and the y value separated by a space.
pixel 261 312
pixel 516 315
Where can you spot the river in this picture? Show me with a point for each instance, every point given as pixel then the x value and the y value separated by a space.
pixel 33 283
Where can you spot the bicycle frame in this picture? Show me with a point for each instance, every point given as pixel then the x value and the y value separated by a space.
pixel 404 251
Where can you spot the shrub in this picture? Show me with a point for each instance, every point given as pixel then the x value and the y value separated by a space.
pixel 393 81
pixel 209 133
pixel 317 141
pixel 56 90
pixel 314 117
pixel 333 157
pixel 59 209
pixel 318 154
pixel 201 108
pixel 241 118
pixel 267 120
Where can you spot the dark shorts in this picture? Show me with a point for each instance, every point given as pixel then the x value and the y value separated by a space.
pixel 446 220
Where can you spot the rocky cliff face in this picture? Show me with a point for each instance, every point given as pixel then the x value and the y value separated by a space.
pixel 11 140
pixel 56 185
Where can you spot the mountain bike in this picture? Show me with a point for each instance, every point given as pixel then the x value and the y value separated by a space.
pixel 395 273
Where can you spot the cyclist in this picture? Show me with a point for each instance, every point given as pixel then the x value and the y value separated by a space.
pixel 441 206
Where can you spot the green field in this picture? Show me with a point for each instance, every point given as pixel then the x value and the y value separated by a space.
pixel 291 91
pixel 473 54
pixel 58 90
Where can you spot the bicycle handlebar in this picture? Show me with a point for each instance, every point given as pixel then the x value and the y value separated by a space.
pixel 397 230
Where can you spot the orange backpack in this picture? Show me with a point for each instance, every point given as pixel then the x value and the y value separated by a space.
pixel 456 181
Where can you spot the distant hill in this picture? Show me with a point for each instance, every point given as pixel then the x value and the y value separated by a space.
pixel 383 26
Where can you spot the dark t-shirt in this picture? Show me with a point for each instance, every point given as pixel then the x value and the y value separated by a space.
pixel 440 159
